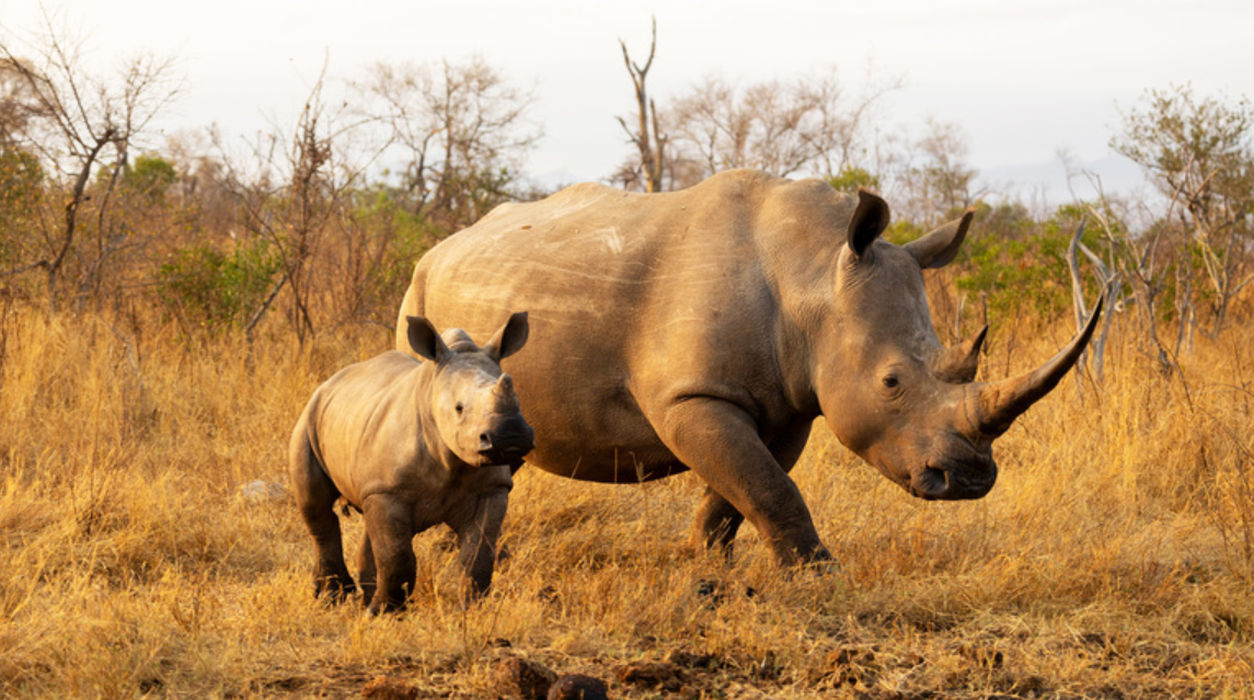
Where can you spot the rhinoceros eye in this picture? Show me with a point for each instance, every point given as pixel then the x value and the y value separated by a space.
pixel 891 381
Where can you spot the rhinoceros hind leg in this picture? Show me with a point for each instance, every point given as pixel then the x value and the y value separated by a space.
pixel 316 495
pixel 389 525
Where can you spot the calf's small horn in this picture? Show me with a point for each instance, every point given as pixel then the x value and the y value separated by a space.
pixel 1000 403
pixel 504 386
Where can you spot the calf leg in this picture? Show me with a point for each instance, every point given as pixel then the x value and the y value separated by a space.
pixel 477 536
pixel 716 523
pixel 366 571
pixel 316 495
pixel 389 525
pixel 719 441
pixel 717 520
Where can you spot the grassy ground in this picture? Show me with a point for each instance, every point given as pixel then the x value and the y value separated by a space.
pixel 1113 558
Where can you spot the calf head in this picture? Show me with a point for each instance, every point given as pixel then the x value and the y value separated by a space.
pixel 890 391
pixel 472 403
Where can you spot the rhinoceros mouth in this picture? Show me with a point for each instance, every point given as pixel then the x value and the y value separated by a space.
pixel 929 483
pixel 512 453
pixel 953 482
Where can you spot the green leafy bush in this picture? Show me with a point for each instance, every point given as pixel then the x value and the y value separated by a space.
pixel 1018 264
pixel 851 178
pixel 150 175
pixel 210 288
pixel 21 187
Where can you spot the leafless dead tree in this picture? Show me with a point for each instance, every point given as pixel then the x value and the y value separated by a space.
pixel 1199 152
pixel 73 120
pixel 462 130
pixel 293 190
pixel 647 137
pixel 1111 286
pixel 936 179
pixel 811 124
pixel 1137 257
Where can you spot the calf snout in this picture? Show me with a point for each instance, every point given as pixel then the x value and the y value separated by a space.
pixel 509 440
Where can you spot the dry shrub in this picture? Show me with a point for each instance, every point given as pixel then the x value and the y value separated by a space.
pixel 1113 556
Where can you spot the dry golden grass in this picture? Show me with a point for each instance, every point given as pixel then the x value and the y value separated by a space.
pixel 1112 558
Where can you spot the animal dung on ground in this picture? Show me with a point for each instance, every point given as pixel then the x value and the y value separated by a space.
pixel 518 677
pixel 576 686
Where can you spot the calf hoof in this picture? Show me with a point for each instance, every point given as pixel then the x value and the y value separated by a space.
pixel 474 589
pixel 820 561
pixel 377 607
pixel 334 589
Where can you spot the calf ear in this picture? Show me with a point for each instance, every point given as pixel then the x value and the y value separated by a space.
pixel 423 339
pixel 870 218
pixel 940 246
pixel 511 337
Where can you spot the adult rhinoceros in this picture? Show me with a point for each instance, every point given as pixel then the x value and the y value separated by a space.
pixel 706 329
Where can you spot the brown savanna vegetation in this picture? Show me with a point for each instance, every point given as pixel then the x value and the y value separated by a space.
pixel 1114 556
pixel 165 315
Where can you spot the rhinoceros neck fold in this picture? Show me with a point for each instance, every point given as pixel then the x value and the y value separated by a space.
pixel 797 235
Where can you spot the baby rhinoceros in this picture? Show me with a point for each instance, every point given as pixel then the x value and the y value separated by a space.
pixel 411 444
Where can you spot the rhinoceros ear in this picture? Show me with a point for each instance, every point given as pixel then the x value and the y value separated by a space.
pixel 940 246
pixel 423 339
pixel 870 218
pixel 511 337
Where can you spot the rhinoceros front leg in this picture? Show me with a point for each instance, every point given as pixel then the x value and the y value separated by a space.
pixel 719 442
pixel 389 527
pixel 717 520
pixel 477 535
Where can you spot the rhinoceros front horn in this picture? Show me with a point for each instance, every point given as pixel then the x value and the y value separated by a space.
pixel 1000 403
pixel 504 387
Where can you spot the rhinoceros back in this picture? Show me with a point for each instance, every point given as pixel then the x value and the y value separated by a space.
pixel 631 297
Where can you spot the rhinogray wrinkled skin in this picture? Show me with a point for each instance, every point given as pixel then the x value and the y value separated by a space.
pixel 411 444
pixel 706 329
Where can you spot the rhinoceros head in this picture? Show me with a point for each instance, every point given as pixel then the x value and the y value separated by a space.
pixel 472 402
pixel 888 388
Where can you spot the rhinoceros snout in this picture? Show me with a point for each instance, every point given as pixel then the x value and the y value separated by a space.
pixel 955 481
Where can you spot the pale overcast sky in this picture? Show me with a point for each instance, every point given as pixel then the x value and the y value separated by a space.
pixel 1024 78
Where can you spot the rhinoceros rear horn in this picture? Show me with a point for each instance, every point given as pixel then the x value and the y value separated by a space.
pixel 870 218
pixel 960 363
pixel 1000 403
